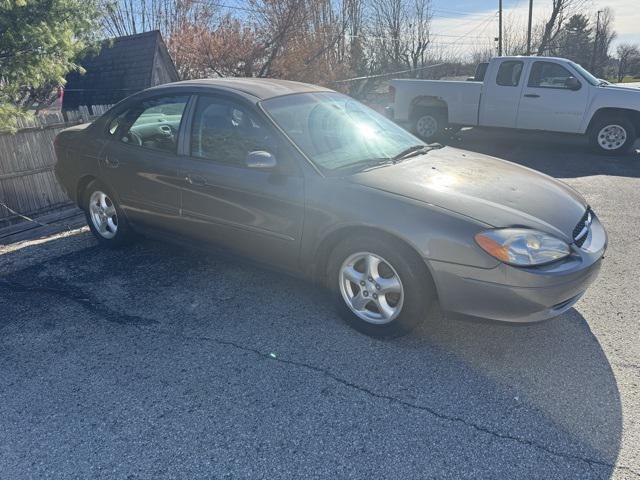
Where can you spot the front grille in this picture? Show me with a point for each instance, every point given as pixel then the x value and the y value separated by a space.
pixel 581 232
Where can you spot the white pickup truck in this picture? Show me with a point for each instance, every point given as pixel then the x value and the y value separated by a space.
pixel 528 93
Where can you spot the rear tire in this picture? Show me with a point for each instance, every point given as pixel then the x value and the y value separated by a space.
pixel 104 216
pixel 612 135
pixel 430 124
pixel 380 289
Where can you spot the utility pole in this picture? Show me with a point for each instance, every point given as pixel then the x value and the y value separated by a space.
pixel 595 43
pixel 499 28
pixel 529 28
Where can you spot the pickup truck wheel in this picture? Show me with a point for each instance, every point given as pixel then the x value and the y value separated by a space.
pixel 429 125
pixel 380 289
pixel 613 135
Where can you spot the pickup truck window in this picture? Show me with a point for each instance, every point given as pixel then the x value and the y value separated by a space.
pixel 585 74
pixel 548 75
pixel 509 73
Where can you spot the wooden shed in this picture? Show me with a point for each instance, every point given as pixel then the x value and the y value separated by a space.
pixel 123 66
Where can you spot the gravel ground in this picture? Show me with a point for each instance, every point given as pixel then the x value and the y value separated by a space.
pixel 159 362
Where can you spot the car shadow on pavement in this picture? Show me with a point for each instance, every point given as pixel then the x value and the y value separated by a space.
pixel 555 368
pixel 543 394
pixel 558 155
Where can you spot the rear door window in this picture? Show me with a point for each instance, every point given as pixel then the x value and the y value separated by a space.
pixel 154 123
pixel 509 73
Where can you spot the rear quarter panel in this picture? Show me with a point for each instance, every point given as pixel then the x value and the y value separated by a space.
pixel 77 156
pixel 462 98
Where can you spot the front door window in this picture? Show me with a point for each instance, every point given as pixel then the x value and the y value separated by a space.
pixel 226 132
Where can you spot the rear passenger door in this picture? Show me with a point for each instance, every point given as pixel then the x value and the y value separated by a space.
pixel 501 95
pixel 254 212
pixel 140 161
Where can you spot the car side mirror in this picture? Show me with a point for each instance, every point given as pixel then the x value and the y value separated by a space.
pixel 261 160
pixel 572 83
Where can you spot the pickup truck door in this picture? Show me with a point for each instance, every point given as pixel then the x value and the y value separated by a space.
pixel 553 99
pixel 501 95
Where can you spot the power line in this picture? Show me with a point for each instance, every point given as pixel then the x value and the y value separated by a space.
pixel 366 77
pixel 458 12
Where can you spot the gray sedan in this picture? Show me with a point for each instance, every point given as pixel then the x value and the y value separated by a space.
pixel 318 185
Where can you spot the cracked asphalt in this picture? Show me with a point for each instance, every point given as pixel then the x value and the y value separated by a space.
pixel 155 361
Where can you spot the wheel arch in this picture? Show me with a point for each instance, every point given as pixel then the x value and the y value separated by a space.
pixel 333 238
pixel 422 104
pixel 82 185
pixel 632 115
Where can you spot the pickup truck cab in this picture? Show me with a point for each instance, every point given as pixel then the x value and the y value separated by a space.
pixel 527 93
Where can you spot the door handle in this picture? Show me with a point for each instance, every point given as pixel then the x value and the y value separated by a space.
pixel 532 95
pixel 196 180
pixel 111 162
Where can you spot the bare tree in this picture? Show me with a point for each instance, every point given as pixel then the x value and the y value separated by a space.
pixel 602 42
pixel 628 59
pixel 552 26
pixel 399 33
pixel 416 34
pixel 277 20
pixel 388 19
pixel 228 48
pixel 128 17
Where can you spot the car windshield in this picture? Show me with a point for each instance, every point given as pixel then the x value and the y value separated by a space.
pixel 337 132
pixel 586 75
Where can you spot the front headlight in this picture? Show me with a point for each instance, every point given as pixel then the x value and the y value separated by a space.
pixel 522 247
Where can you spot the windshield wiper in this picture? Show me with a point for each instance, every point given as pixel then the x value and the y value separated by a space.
pixel 367 164
pixel 410 152
pixel 377 163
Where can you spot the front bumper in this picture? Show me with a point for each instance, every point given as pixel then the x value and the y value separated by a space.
pixel 512 294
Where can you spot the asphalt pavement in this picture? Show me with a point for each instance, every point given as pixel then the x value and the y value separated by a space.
pixel 155 361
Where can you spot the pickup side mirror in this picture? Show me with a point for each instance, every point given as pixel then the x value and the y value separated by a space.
pixel 572 83
pixel 261 160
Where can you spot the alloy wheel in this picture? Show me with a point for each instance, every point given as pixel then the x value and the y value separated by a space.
pixel 103 215
pixel 371 288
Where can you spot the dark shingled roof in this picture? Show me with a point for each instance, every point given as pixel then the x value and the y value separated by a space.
pixel 123 66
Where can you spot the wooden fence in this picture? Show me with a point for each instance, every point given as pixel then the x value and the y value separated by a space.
pixel 27 182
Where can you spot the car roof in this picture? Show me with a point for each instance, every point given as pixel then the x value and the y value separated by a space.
pixel 261 88
pixel 533 57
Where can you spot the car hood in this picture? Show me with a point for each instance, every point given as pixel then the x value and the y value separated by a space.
pixel 633 89
pixel 489 190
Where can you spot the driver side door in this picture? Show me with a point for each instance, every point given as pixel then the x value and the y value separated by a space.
pixel 140 162
pixel 548 102
pixel 252 211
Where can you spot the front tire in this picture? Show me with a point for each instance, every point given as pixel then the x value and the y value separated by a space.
pixel 612 135
pixel 380 289
pixel 104 216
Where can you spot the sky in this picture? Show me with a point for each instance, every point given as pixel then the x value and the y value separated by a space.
pixel 469 24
